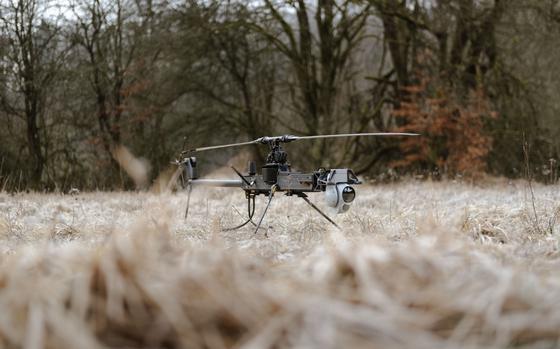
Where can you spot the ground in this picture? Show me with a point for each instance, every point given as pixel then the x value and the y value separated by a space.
pixel 416 264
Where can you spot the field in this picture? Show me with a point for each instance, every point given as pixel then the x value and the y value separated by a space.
pixel 416 265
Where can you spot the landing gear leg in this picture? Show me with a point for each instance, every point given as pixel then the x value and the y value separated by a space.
pixel 189 190
pixel 270 196
pixel 304 197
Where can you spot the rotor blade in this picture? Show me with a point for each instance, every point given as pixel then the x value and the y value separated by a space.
pixel 378 134
pixel 223 146
pixel 290 138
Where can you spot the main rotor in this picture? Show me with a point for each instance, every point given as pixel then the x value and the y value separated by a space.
pixel 275 140
pixel 277 155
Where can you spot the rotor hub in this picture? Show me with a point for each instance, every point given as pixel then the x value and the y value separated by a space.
pixel 277 139
pixel 277 155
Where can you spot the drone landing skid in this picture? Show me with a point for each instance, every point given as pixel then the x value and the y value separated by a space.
pixel 270 196
pixel 251 212
pixel 251 195
pixel 306 199
pixel 301 195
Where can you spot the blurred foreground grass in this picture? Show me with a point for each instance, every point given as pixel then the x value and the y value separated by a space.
pixel 422 265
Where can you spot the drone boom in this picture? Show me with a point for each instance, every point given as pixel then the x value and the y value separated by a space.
pixel 291 138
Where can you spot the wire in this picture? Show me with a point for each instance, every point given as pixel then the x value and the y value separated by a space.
pixel 249 212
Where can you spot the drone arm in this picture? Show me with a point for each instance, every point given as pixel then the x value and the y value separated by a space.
pixel 224 183
pixel 240 176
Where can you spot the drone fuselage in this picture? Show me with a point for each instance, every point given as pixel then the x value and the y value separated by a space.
pixel 292 183
pixel 276 173
pixel 276 176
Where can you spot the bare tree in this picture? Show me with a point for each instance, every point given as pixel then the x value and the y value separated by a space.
pixel 110 48
pixel 110 36
pixel 318 43
pixel 32 60
pixel 237 68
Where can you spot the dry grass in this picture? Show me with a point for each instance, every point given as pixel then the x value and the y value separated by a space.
pixel 418 265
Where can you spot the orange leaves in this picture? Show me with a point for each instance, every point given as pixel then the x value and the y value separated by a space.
pixel 453 136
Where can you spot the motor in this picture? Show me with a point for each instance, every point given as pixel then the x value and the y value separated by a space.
pixel 340 196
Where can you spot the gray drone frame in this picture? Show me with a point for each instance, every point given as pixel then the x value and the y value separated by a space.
pixel 276 174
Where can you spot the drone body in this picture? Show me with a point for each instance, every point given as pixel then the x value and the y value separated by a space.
pixel 277 176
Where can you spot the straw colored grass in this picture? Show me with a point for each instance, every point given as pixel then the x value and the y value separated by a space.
pixel 423 265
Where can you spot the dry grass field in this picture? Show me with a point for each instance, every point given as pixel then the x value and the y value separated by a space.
pixel 417 265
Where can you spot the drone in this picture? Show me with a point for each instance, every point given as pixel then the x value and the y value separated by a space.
pixel 276 176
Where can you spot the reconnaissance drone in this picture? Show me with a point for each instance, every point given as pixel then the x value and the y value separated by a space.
pixel 276 176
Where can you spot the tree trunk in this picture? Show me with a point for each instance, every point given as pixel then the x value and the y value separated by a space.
pixel 34 144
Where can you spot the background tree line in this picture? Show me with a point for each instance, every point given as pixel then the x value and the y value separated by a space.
pixel 80 78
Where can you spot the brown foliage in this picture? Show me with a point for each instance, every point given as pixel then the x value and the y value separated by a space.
pixel 453 131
